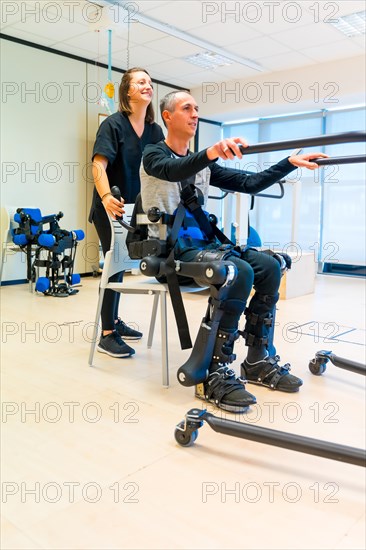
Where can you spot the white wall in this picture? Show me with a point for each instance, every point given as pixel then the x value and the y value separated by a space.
pixel 43 151
pixel 321 86
pixel 49 119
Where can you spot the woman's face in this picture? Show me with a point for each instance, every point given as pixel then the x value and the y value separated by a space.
pixel 140 89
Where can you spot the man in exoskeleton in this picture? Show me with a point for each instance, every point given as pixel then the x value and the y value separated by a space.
pixel 165 167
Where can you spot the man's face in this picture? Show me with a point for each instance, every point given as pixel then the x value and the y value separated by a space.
pixel 183 120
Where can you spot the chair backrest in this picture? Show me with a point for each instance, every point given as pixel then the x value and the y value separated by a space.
pixel 117 258
pixel 8 223
pixel 5 226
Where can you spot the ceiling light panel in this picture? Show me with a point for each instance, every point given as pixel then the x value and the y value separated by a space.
pixel 353 24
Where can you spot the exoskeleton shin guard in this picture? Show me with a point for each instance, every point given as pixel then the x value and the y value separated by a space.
pixel 260 317
pixel 223 353
pixel 195 369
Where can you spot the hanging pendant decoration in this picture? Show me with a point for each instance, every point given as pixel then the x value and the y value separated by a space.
pixel 128 42
pixel 107 97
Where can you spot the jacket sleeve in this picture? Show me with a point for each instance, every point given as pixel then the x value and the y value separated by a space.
pixel 237 180
pixel 159 163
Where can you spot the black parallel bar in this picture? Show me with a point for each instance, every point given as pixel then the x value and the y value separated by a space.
pixel 292 442
pixel 355 159
pixel 330 139
pixel 347 364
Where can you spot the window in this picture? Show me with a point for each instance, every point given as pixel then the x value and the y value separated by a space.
pixel 322 211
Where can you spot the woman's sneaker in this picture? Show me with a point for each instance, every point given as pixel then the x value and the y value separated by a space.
pixel 127 332
pixel 113 345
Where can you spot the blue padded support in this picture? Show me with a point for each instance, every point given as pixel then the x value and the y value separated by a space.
pixel 46 240
pixel 20 240
pixel 79 234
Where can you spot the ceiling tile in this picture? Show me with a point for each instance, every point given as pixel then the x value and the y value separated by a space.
pixel 140 56
pixel 56 32
pixel 289 61
pixel 309 35
pixel 237 70
pixel 148 5
pixel 96 43
pixel 258 48
pixel 197 79
pixel 175 47
pixel 181 14
pixel 141 34
pixel 11 15
pixel 360 41
pixel 222 34
pixel 177 67
pixel 82 12
pixel 324 10
pixel 30 37
pixel 343 48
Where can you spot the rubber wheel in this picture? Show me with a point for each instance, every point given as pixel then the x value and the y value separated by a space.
pixel 183 438
pixel 317 367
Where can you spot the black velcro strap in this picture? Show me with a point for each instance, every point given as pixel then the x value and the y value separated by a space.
pixel 254 341
pixel 177 224
pixel 269 299
pixel 202 221
pixel 220 236
pixel 254 318
pixel 177 303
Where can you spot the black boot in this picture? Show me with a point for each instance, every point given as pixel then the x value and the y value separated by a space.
pixel 269 373
pixel 222 387
pixel 261 366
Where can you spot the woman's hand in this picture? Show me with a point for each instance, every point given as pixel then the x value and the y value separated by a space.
pixel 113 206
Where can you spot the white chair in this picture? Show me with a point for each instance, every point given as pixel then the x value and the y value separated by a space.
pixel 7 244
pixel 6 241
pixel 116 260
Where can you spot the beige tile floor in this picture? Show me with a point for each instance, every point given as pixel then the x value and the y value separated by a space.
pixel 89 459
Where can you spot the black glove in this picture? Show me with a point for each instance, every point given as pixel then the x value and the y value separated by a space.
pixel 284 259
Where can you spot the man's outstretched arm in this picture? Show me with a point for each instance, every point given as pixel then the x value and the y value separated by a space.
pixel 236 180
pixel 161 164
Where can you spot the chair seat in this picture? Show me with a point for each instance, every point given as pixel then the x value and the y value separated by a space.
pixel 136 284
pixel 143 285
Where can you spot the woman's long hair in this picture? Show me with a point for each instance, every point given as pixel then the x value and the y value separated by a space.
pixel 124 100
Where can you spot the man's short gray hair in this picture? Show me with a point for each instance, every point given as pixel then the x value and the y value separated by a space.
pixel 167 103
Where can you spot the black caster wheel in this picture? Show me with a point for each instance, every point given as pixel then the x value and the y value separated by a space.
pixel 316 367
pixel 184 438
